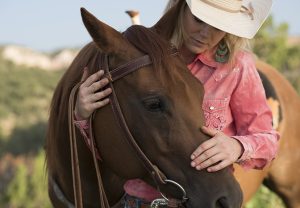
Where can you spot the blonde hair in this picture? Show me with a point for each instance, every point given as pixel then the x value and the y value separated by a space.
pixel 234 43
pixel 169 5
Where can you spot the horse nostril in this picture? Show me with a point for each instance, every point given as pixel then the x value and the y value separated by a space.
pixel 223 203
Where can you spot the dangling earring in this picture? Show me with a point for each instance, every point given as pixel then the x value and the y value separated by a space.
pixel 222 52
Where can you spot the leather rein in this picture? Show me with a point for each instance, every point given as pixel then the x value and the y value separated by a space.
pixel 157 175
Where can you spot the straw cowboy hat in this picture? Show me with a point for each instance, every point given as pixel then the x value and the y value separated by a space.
pixel 242 18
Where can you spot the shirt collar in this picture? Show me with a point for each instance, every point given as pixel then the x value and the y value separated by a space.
pixel 207 58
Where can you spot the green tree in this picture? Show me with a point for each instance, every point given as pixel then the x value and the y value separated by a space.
pixel 270 45
pixel 28 188
pixel 16 194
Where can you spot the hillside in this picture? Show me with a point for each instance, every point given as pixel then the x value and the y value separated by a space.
pixel 293 40
pixel 27 57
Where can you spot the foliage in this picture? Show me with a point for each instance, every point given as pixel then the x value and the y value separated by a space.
pixel 28 188
pixel 25 91
pixel 264 198
pixel 270 45
pixel 25 140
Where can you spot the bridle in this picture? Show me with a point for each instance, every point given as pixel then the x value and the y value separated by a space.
pixel 158 176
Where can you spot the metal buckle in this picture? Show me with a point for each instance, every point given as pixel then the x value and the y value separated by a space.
pixel 184 197
pixel 156 203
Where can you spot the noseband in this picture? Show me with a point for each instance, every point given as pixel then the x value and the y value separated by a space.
pixel 158 176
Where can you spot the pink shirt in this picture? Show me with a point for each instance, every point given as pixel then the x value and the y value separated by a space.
pixel 235 103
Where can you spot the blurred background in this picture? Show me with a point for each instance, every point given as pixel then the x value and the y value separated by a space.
pixel 39 39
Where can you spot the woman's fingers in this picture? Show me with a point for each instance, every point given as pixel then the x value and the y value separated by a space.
pixel 219 166
pixel 210 161
pixel 90 96
pixel 100 104
pixel 93 78
pixel 205 157
pixel 97 85
pixel 203 147
pixel 217 152
pixel 100 95
pixel 209 131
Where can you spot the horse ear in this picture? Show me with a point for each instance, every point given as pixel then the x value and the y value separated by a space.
pixel 107 38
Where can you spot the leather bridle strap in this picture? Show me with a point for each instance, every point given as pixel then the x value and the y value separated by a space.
pixel 118 73
pixel 124 69
pixel 103 198
pixel 74 153
pixel 74 157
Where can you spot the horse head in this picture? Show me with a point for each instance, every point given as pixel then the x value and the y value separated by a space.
pixel 161 104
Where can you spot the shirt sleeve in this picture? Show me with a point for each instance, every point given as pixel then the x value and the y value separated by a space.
pixel 84 127
pixel 253 119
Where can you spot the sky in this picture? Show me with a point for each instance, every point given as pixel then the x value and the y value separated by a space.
pixel 48 25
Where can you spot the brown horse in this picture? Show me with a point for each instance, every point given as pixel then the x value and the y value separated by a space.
pixel 283 176
pixel 161 105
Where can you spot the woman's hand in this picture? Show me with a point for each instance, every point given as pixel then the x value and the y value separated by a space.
pixel 216 153
pixel 89 98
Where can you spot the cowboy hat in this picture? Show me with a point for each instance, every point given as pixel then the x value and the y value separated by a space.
pixel 242 18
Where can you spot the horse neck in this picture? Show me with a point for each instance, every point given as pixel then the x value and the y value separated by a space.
pixel 89 184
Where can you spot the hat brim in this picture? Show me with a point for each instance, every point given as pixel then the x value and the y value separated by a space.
pixel 236 23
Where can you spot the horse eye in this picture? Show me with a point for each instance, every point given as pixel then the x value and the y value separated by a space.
pixel 154 105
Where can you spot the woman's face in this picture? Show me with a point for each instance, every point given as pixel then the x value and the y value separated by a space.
pixel 199 35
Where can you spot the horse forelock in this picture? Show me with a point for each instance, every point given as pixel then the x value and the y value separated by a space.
pixel 160 50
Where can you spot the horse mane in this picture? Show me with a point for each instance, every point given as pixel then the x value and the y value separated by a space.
pixel 148 41
pixel 57 129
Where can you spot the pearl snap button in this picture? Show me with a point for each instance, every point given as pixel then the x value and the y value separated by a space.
pixel 211 107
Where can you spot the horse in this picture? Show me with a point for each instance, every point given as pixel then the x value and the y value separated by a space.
pixel 148 131
pixel 281 177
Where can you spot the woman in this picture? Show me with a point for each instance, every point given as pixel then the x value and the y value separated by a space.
pixel 212 38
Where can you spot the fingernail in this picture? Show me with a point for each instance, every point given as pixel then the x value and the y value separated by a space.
pixel 192 156
pixel 101 72
pixel 198 167
pixel 193 164
pixel 209 170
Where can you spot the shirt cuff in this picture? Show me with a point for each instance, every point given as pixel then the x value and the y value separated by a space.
pixel 246 155
pixel 81 123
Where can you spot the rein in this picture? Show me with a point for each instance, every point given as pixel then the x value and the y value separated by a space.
pixel 157 175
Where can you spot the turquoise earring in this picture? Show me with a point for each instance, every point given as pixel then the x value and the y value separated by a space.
pixel 222 53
